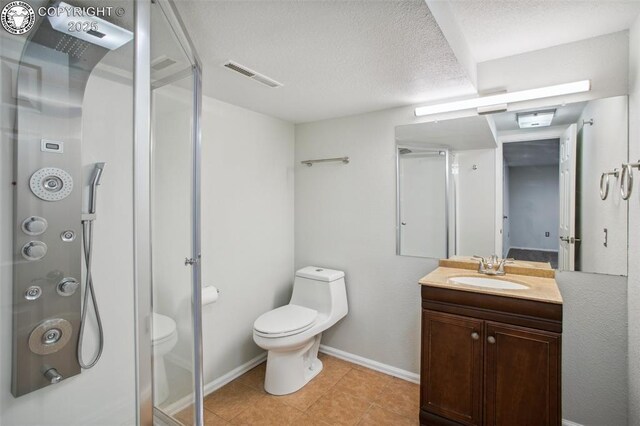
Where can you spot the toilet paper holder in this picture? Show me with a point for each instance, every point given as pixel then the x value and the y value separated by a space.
pixel 209 294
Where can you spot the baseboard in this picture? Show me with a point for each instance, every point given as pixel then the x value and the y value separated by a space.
pixel 566 422
pixel 373 365
pixel 216 384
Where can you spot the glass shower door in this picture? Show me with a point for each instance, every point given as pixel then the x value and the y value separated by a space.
pixel 174 222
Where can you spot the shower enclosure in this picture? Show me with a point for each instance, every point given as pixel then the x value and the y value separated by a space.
pixel 99 218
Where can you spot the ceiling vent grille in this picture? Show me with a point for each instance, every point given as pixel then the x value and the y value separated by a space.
pixel 161 63
pixel 260 78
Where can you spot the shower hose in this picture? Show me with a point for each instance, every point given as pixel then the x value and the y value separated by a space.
pixel 87 242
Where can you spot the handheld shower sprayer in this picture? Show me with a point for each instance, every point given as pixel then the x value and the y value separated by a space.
pixel 87 242
pixel 95 181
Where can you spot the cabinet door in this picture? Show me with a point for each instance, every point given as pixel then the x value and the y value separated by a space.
pixel 522 376
pixel 451 379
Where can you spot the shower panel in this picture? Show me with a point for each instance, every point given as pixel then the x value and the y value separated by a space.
pixel 48 184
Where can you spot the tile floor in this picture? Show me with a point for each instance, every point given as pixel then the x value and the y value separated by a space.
pixel 342 394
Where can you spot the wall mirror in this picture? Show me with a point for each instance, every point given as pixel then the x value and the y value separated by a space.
pixel 540 185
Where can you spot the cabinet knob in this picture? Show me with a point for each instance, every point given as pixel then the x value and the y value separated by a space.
pixel 491 339
pixel 475 336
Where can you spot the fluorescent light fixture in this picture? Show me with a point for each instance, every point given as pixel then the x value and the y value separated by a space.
pixel 491 109
pixel 535 118
pixel 507 98
pixel 100 32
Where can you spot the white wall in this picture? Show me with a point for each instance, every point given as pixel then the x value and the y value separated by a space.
pixel 594 349
pixel 106 393
pixel 634 230
pixel 247 227
pixel 475 199
pixel 533 207
pixel 604 147
pixel 345 219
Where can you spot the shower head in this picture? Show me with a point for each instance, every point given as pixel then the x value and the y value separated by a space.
pixel 102 33
pixel 93 188
pixel 404 151
pixel 83 48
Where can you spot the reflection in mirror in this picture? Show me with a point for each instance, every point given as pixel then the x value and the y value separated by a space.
pixel 471 147
pixel 530 200
pixel 422 201
pixel 528 184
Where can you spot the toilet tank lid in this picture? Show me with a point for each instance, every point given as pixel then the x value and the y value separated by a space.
pixel 319 274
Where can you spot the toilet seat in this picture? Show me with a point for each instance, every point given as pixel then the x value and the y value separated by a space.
pixel 163 328
pixel 285 321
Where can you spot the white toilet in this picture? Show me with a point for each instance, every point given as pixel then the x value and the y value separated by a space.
pixel 165 337
pixel 292 332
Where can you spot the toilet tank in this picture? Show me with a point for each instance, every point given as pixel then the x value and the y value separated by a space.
pixel 321 289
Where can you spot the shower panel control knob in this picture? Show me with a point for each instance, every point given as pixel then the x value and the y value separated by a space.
pixel 67 286
pixel 68 236
pixel 52 375
pixel 34 250
pixel 33 292
pixel 34 225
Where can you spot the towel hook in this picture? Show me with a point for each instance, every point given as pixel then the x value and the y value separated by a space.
pixel 604 183
pixel 626 181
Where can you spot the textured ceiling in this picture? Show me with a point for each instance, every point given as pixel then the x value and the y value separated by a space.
pixel 334 58
pixel 495 29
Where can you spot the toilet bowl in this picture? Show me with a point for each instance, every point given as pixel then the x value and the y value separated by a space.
pixel 291 334
pixel 165 337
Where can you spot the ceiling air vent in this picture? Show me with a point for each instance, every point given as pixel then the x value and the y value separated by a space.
pixel 161 63
pixel 260 78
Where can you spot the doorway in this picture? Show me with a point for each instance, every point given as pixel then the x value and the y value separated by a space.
pixel 531 196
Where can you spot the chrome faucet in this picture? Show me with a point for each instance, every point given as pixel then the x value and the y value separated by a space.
pixel 492 265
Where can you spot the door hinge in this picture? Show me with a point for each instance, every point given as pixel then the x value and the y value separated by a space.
pixel 190 261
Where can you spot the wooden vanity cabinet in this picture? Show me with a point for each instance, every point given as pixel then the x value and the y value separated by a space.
pixel 482 366
pixel 451 376
pixel 521 376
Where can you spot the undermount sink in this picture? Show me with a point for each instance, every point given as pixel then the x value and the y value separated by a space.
pixel 486 282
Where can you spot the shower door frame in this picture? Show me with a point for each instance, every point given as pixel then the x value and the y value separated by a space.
pixel 142 209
